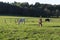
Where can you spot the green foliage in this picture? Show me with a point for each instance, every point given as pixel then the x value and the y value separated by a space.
pixel 26 9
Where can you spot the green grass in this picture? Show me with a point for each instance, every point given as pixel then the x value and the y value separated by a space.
pixel 10 30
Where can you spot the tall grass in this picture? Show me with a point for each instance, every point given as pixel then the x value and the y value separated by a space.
pixel 10 30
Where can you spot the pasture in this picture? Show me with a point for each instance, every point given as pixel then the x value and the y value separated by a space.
pixel 10 30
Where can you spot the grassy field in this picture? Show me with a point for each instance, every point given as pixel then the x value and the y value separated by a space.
pixel 10 30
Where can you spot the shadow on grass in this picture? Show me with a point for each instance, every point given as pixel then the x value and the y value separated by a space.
pixel 54 26
pixel 33 24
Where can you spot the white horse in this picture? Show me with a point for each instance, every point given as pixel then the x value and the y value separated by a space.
pixel 21 20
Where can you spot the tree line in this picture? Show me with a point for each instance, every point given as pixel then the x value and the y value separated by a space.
pixel 26 9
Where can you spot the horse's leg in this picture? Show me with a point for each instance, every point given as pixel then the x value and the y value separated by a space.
pixel 18 22
pixel 41 24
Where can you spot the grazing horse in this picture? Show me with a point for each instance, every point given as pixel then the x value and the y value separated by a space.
pixel 40 22
pixel 21 20
pixel 47 20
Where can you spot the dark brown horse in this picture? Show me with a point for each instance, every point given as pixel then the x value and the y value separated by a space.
pixel 40 22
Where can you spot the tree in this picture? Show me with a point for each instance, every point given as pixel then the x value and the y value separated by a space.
pixel 24 5
pixel 37 5
pixel 57 13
